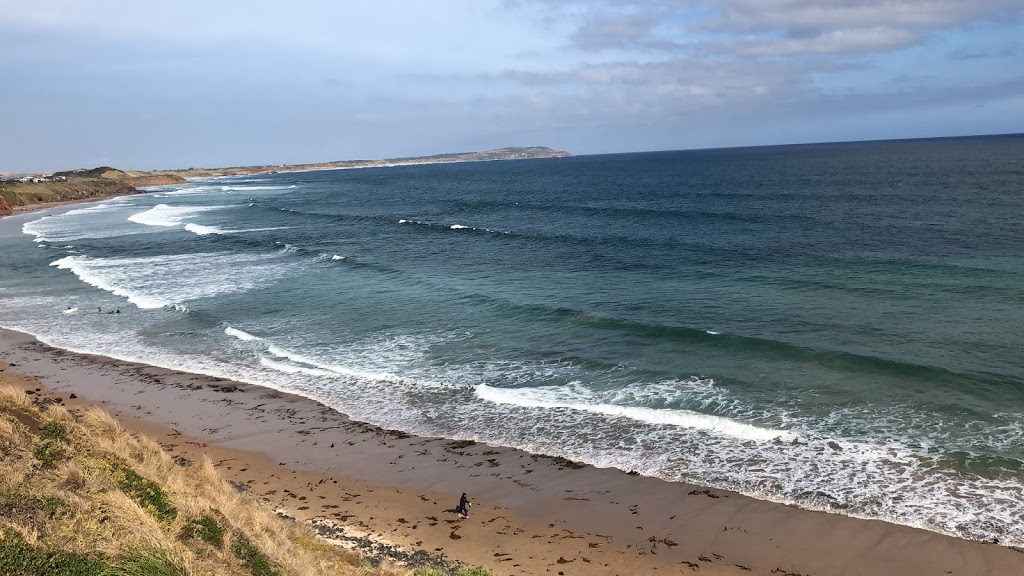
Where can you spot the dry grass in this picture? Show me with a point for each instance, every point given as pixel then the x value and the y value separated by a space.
pixel 119 499
pixel 12 397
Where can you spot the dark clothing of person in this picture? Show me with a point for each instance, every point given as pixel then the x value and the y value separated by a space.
pixel 463 507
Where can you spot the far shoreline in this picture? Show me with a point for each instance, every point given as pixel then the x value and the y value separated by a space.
pixel 635 521
pixel 186 176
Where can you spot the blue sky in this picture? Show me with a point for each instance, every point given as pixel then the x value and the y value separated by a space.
pixel 188 83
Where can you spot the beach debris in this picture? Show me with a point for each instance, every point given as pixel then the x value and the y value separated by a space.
pixel 707 493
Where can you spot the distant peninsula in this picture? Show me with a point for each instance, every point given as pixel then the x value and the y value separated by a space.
pixel 514 153
pixel 32 191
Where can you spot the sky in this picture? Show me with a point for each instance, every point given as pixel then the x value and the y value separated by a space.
pixel 189 83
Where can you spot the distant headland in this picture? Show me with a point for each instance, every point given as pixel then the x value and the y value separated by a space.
pixel 515 153
pixel 31 191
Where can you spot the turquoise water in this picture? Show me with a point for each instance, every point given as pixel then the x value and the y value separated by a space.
pixel 834 326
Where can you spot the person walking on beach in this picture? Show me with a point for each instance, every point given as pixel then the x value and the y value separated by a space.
pixel 463 508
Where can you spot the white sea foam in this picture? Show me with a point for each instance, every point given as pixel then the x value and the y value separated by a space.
pixel 712 332
pixel 336 257
pixel 201 230
pixel 292 369
pixel 188 191
pixel 154 282
pixel 449 226
pixel 244 188
pixel 169 216
pixel 332 369
pixel 89 222
pixel 549 398
pixel 241 335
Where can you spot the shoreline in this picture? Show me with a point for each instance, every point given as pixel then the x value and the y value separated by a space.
pixel 533 514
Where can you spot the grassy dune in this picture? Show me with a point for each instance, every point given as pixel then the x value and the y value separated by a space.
pixel 26 194
pixel 82 185
pixel 80 496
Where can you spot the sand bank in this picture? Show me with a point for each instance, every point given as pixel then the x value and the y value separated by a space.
pixel 531 514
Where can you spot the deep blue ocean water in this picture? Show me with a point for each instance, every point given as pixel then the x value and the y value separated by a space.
pixel 837 326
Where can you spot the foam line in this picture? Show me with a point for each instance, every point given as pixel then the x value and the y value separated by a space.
pixel 241 335
pixel 540 398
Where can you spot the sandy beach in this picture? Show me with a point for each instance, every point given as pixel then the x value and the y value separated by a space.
pixel 386 490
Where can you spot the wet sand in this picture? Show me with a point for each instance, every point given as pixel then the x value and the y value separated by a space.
pixel 383 490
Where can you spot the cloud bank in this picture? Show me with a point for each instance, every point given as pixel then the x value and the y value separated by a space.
pixel 191 83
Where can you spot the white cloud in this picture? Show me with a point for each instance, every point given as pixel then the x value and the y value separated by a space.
pixel 836 15
pixel 767 27
pixel 848 41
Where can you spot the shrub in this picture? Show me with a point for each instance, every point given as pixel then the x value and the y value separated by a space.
pixel 48 453
pixel 49 504
pixel 53 430
pixel 146 493
pixel 18 557
pixel 253 559
pixel 206 529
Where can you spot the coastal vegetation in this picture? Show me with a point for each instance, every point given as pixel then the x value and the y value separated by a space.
pixel 80 496
pixel 79 185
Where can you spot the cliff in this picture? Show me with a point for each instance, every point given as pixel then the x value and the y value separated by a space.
pixel 20 195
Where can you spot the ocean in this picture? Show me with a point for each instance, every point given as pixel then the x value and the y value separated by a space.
pixel 837 326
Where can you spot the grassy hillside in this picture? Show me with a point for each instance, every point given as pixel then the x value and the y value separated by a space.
pixel 25 194
pixel 79 496
pixel 82 184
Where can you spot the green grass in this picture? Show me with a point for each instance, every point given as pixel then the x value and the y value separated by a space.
pixel 149 562
pixel 18 558
pixel 49 453
pixel 146 493
pixel 206 529
pixel 53 430
pixel 253 559
pixel 52 505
